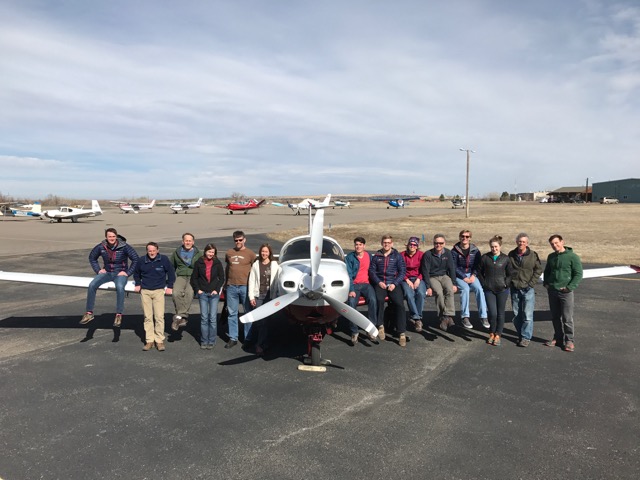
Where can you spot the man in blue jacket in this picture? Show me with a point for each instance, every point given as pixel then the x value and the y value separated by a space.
pixel 119 260
pixel 358 263
pixel 154 276
pixel 387 272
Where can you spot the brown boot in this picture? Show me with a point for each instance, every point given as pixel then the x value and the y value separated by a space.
pixel 160 346
pixel 147 346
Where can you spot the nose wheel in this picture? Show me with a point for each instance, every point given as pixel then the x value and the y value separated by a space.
pixel 313 361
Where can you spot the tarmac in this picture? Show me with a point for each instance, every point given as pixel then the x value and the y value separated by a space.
pixel 81 402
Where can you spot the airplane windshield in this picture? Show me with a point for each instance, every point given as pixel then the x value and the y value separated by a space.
pixel 299 250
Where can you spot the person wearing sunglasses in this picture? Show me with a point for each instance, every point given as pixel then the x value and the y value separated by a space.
pixel 182 260
pixel 467 259
pixel 439 274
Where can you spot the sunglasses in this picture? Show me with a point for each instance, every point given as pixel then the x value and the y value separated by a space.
pixel 238 240
pixel 438 243
pixel 465 236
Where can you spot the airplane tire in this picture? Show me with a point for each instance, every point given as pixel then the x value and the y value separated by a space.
pixel 230 212
pixel 59 220
pixel 387 208
pixel 315 354
pixel 245 212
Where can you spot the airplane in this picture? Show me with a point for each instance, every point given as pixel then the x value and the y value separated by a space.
pixel 243 207
pixel 308 202
pixel 313 286
pixel 185 207
pixel 457 202
pixel 396 201
pixel 34 210
pixel 341 204
pixel 128 207
pixel 72 213
pixel 278 204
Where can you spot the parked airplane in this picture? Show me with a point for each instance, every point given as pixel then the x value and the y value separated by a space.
pixel 185 207
pixel 396 201
pixel 458 202
pixel 341 204
pixel 242 206
pixel 34 210
pixel 308 202
pixel 128 207
pixel 73 213
pixel 399 203
pixel 313 285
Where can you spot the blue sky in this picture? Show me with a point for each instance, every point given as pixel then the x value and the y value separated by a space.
pixel 204 98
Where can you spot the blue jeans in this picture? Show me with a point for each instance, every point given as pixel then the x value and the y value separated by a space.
pixel 465 294
pixel 208 318
pixel 364 290
pixel 101 279
pixel 523 302
pixel 415 298
pixel 236 294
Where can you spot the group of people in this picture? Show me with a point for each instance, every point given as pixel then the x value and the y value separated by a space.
pixel 412 275
pixel 247 279
pixel 385 276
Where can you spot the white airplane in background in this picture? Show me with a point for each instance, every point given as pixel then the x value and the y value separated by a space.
pixel 185 207
pixel 341 204
pixel 72 213
pixel 34 210
pixel 128 207
pixel 308 202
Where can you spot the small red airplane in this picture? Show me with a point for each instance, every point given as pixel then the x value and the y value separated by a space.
pixel 242 206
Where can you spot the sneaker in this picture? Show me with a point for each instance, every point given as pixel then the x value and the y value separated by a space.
pixel 176 320
pixel 402 341
pixel 354 339
pixel 210 346
pixel 550 343
pixel 182 322
pixel 569 347
pixel 160 346
pixel 381 334
pixel 496 341
pixel 231 344
pixel 147 346
pixel 490 339
pixel 485 323
pixel 203 347
pixel 118 320
pixel 86 318
pixel 418 326
pixel 466 323
pixel 524 343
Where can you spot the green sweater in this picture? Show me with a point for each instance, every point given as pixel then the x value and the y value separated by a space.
pixel 563 270
pixel 182 269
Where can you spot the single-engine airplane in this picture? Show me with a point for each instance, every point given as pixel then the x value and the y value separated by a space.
pixel 313 286
pixel 128 207
pixel 185 207
pixel 34 210
pixel 243 207
pixel 458 203
pixel 341 204
pixel 310 203
pixel 73 213
pixel 397 201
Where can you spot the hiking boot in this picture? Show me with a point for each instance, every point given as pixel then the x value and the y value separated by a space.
pixel 354 339
pixel 86 318
pixel 466 323
pixel 569 346
pixel 231 344
pixel 418 326
pixel 147 346
pixel 175 324
pixel 381 334
pixel 485 323
pixel 118 320
pixel 444 323
pixel 160 346
pixel 402 341
pixel 524 343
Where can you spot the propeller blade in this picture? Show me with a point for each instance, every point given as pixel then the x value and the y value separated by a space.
pixel 352 314
pixel 316 242
pixel 269 308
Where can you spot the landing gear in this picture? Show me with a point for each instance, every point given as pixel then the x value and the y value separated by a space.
pixel 313 361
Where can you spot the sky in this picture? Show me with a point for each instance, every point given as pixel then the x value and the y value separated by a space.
pixel 158 98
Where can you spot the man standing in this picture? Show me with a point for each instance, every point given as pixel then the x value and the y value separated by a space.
pixel 466 258
pixel 239 260
pixel 119 260
pixel 152 275
pixel 525 272
pixel 562 275
pixel 387 271
pixel 358 263
pixel 182 260
pixel 439 274
pixel 413 287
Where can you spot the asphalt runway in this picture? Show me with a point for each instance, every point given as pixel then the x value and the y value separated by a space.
pixel 78 402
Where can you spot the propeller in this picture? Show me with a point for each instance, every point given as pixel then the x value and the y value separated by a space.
pixel 352 314
pixel 270 308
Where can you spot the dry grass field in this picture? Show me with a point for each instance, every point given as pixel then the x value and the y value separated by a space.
pixel 600 234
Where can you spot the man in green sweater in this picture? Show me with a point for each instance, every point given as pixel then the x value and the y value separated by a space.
pixel 183 259
pixel 562 275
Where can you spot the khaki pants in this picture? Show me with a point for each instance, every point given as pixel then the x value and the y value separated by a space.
pixel 443 291
pixel 153 308
pixel 182 296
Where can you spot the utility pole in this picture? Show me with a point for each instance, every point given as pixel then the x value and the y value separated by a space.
pixel 466 195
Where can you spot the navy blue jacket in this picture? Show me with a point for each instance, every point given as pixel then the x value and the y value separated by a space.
pixel 154 274
pixel 389 269
pixel 468 264
pixel 434 266
pixel 115 259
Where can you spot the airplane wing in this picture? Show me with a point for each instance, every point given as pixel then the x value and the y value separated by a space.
pixel 62 280
pixel 606 272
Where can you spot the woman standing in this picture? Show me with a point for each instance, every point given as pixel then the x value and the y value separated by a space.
pixel 495 273
pixel 262 282
pixel 207 280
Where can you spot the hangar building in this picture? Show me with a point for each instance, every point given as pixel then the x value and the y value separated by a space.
pixel 627 190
